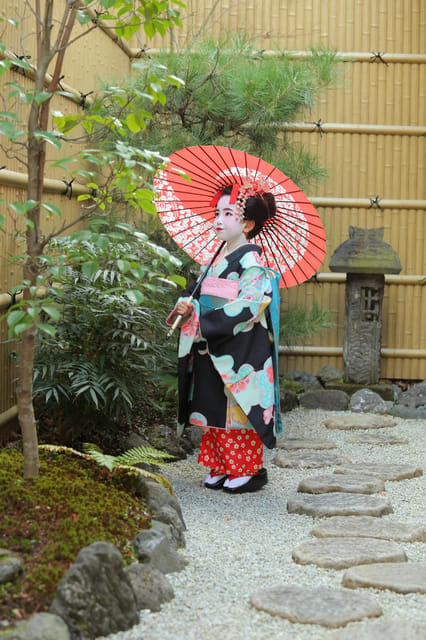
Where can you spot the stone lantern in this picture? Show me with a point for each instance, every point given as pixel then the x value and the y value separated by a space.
pixel 365 258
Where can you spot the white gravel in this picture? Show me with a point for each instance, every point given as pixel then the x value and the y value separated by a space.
pixel 239 544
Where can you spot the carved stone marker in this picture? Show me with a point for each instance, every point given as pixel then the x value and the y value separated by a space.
pixel 365 258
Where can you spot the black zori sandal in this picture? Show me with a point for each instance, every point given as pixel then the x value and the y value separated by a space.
pixel 254 484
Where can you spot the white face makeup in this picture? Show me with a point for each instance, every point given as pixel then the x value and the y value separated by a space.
pixel 227 224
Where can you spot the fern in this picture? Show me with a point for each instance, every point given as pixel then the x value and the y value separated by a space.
pixel 137 455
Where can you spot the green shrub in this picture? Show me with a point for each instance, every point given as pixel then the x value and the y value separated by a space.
pixel 47 520
pixel 108 353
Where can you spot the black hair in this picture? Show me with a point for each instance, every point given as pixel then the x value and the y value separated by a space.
pixel 258 208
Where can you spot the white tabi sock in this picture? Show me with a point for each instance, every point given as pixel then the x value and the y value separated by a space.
pixel 237 482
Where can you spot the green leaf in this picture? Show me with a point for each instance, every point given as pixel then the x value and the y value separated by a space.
pixel 7 129
pixel 47 328
pixel 52 209
pixel 135 296
pixel 22 208
pixel 52 137
pixel 42 96
pixel 133 123
pixel 53 312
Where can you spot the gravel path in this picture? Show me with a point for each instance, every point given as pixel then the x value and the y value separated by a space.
pixel 239 544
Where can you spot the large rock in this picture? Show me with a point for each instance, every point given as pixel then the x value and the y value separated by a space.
pixel 400 577
pixel 326 399
pixel 369 527
pixel 367 401
pixel 308 459
pixel 154 547
pixel 393 629
pixel 367 421
pixel 340 553
pixel 95 597
pixel 315 605
pixel 340 482
pixel 383 471
pixel 150 586
pixel 338 504
pixel 41 626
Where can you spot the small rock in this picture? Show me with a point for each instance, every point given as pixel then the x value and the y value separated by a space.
pixel 415 396
pixel 153 547
pixel 315 605
pixel 369 527
pixel 367 401
pixel 151 587
pixel 402 578
pixel 340 553
pixel 304 443
pixel 384 471
pixel 306 380
pixel 349 484
pixel 360 422
pixel 158 496
pixel 11 567
pixel 169 516
pixel 308 459
pixel 338 504
pixel 326 399
pixel 328 374
pixel 40 626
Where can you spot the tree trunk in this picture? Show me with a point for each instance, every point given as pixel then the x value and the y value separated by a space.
pixel 24 394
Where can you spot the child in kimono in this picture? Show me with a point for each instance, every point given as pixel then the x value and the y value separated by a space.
pixel 228 349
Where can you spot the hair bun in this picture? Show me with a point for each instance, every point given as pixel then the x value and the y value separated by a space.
pixel 269 200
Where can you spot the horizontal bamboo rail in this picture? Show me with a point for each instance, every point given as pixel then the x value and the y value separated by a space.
pixel 16 179
pixel 340 127
pixel 343 56
pixel 338 351
pixel 364 203
pixel 30 72
pixel 8 415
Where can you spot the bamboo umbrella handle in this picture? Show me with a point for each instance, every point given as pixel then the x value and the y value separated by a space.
pixel 176 322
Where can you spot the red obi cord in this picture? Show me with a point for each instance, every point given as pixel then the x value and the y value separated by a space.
pixel 237 452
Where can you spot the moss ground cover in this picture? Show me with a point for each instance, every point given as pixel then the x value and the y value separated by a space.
pixel 47 520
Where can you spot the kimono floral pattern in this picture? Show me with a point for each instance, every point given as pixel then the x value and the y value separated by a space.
pixel 226 353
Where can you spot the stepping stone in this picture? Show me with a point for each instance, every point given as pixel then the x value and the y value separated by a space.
pixel 305 443
pixel 376 439
pixel 341 553
pixel 382 630
pixel 346 483
pixel 307 459
pixel 360 421
pixel 368 527
pixel 315 605
pixel 403 578
pixel 383 471
pixel 339 504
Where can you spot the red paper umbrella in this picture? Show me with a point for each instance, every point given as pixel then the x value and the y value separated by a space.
pixel 293 241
